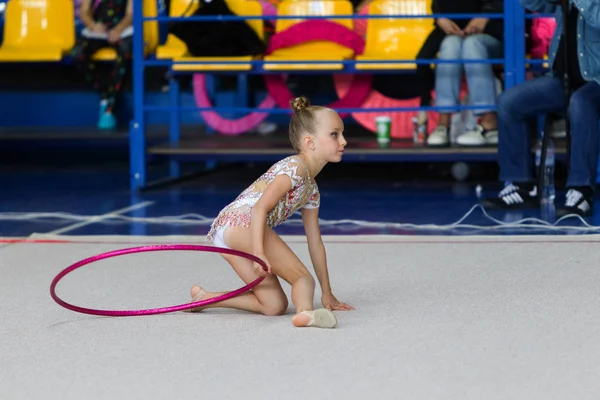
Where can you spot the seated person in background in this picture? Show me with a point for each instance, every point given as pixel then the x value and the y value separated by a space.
pixel 107 24
pixel 468 39
pixel 425 74
pixel 545 94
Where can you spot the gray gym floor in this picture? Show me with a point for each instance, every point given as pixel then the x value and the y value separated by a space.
pixel 487 317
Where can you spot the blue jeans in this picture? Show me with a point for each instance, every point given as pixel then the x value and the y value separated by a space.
pixel 544 95
pixel 480 77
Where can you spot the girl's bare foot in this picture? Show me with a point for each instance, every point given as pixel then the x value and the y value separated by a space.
pixel 197 294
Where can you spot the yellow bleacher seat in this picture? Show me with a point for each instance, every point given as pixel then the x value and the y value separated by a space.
pixel 150 34
pixel 37 30
pixel 395 38
pixel 316 50
pixel 173 46
pixel 239 7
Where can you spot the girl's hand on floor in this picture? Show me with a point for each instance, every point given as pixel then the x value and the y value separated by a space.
pixel 330 302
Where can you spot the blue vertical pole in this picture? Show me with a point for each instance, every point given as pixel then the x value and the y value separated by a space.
pixel 509 48
pixel 137 127
pixel 518 32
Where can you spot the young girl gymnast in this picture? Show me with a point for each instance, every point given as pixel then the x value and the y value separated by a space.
pixel 247 223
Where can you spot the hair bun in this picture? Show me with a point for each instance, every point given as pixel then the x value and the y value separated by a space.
pixel 299 103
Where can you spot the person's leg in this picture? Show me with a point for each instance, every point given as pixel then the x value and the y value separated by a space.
pixel 425 75
pixel 121 67
pixel 515 106
pixel 584 117
pixel 268 297
pixel 447 87
pixel 82 52
pixel 482 88
pixel 123 50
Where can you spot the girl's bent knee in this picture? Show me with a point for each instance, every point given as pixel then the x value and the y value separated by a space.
pixel 277 309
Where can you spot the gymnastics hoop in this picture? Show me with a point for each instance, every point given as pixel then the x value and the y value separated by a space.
pixel 161 310
pixel 312 30
pixel 225 126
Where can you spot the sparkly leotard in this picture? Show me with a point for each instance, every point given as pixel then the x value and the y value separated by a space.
pixel 303 194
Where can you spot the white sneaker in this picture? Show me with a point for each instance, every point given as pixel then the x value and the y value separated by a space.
pixel 479 137
pixel 439 137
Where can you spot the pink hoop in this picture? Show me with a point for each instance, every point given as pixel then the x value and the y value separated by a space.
pixel 162 310
pixel 319 30
pixel 314 29
pixel 358 91
pixel 223 125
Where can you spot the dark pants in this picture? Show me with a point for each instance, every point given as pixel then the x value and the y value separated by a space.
pixel 108 85
pixel 544 95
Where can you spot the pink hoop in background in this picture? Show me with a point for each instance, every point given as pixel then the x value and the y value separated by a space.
pixel 223 125
pixel 358 91
pixel 161 310
pixel 226 126
pixel 312 30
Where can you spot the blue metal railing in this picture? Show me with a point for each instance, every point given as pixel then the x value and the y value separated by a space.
pixel 514 62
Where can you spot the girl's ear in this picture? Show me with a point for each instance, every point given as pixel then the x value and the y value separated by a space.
pixel 309 142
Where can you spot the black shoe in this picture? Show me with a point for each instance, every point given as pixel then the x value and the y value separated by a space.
pixel 576 203
pixel 514 197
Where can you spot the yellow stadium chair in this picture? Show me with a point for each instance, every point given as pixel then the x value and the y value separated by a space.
pixel 37 30
pixel 173 46
pixel 239 7
pixel 395 38
pixel 316 50
pixel 150 34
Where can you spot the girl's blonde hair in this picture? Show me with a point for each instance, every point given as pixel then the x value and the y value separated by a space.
pixel 303 121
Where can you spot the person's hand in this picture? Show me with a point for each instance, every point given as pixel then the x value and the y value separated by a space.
pixel 259 268
pixel 449 27
pixel 114 35
pixel 98 28
pixel 331 303
pixel 476 25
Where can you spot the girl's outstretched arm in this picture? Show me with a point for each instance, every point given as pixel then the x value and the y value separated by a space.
pixel 316 248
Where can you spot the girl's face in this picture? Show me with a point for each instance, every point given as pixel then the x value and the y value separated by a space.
pixel 329 141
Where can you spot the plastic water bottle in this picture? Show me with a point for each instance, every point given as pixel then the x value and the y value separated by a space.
pixel 548 192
